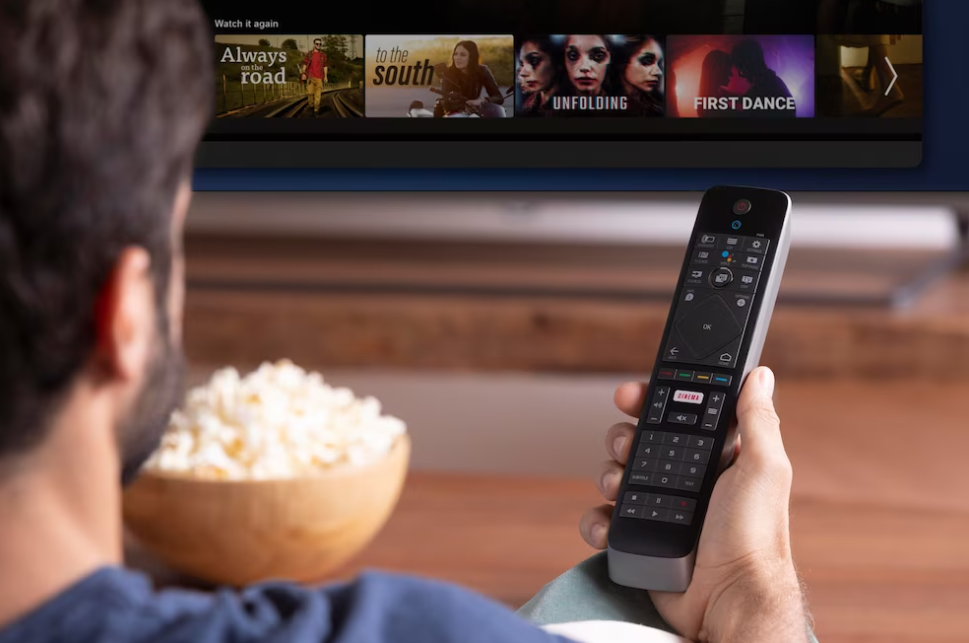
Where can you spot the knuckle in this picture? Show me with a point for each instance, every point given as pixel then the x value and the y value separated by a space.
pixel 777 466
pixel 616 431
pixel 586 521
pixel 620 428
pixel 764 413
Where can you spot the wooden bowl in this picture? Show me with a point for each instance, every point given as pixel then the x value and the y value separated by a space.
pixel 240 532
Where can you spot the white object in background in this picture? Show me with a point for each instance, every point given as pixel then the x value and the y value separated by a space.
pixel 612 632
pixel 472 217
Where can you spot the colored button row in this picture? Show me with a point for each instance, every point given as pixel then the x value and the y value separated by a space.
pixel 679 375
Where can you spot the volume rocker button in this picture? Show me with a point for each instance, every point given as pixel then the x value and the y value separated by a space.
pixel 658 404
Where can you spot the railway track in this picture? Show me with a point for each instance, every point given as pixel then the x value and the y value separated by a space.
pixel 343 107
pixel 299 106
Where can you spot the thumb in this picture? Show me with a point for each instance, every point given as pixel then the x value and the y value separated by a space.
pixel 757 421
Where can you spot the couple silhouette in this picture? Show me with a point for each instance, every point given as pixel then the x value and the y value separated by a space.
pixel 753 79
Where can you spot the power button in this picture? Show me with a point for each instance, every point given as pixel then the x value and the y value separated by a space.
pixel 741 207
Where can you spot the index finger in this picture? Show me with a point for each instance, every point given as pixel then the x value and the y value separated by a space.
pixel 630 397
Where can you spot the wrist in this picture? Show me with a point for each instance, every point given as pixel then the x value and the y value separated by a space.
pixel 759 605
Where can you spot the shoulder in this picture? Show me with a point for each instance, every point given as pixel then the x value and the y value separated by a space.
pixel 438 611
pixel 120 606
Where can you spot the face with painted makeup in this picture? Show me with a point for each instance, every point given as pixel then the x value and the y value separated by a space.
pixel 587 62
pixel 645 69
pixel 535 73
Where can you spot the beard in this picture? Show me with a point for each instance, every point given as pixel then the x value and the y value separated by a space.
pixel 141 430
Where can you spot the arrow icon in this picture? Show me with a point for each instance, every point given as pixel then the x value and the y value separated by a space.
pixel 894 73
pixel 674 351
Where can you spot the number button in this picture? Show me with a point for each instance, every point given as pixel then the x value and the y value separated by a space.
pixel 662 480
pixel 644 464
pixel 695 456
pixel 653 437
pixel 676 439
pixel 700 442
pixel 672 453
pixel 693 470
pixel 648 451
pixel 666 466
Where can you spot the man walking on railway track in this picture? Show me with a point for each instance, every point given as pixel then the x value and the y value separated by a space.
pixel 314 74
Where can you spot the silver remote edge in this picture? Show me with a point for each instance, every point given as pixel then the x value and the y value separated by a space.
pixel 675 574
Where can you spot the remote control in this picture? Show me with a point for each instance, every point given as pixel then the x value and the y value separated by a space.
pixel 686 435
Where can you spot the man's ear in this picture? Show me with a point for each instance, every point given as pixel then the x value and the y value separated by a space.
pixel 125 319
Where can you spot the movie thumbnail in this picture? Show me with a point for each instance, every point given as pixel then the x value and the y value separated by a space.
pixel 741 76
pixel 870 76
pixel 305 76
pixel 590 75
pixel 440 76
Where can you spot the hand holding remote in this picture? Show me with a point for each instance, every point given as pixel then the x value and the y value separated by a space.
pixel 744 584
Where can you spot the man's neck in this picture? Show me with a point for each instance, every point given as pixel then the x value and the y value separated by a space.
pixel 61 512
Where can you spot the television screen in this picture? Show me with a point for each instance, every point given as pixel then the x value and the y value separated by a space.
pixel 562 83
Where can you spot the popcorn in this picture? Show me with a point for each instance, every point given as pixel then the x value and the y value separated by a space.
pixel 277 422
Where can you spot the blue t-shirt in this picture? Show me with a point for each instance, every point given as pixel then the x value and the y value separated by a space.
pixel 120 606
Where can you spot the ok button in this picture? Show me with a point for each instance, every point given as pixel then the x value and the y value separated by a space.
pixel 721 277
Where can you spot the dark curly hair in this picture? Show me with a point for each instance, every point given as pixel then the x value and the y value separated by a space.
pixel 102 105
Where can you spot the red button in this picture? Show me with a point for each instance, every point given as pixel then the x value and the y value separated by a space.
pixel 690 397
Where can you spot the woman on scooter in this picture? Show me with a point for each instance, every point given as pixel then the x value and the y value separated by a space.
pixel 465 78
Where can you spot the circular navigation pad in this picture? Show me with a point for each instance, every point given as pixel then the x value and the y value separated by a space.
pixel 721 277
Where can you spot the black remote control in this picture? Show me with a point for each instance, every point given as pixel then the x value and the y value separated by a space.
pixel 687 431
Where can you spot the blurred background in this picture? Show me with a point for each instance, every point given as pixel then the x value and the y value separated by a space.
pixel 499 325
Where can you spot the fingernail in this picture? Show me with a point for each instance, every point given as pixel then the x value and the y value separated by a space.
pixel 619 444
pixel 767 380
pixel 604 483
pixel 598 534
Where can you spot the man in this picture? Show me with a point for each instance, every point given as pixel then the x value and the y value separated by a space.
pixel 748 58
pixel 314 74
pixel 94 189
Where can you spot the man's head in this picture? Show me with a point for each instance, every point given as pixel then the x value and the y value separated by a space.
pixel 748 58
pixel 317 44
pixel 102 105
